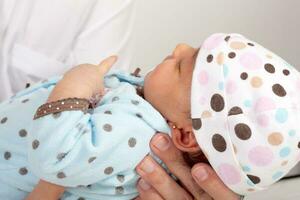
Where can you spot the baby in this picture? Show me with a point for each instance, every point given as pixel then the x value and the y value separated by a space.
pixel 233 100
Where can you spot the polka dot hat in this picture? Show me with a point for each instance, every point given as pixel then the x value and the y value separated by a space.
pixel 246 112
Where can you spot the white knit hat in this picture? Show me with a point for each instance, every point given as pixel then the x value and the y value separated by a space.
pixel 246 112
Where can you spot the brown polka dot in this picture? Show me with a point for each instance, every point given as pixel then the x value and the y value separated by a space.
pixel 235 111
pixel 299 145
pixel 217 102
pixel 108 112
pixel 278 90
pixel 107 127
pixel 244 76
pixel 286 72
pixel 219 142
pixel 7 155
pixel 270 68
pixel 35 144
pixel 231 55
pixel 61 175
pixel 234 149
pixel 61 156
pixel 209 58
pixel 237 45
pixel 253 178
pixel 220 58
pixel 250 44
pixel 284 163
pixel 121 178
pixel 25 100
pixel 251 190
pixel 227 38
pixel 206 114
pixel 91 159
pixel 275 138
pixel 56 115
pixel 3 120
pixel 115 99
pixel 256 82
pixel 197 123
pixel 89 186
pixel 139 115
pixel 23 171
pixel 242 131
pixel 108 170
pixel 135 102
pixel 119 190
pixel 22 133
pixel 132 142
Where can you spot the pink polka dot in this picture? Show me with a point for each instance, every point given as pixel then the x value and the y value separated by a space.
pixel 229 174
pixel 260 156
pixel 251 61
pixel 263 120
pixel 264 104
pixel 231 87
pixel 213 41
pixel 202 100
pixel 203 77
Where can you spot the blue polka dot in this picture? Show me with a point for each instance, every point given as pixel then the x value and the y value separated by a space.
pixel 221 86
pixel 250 183
pixel 292 133
pixel 281 115
pixel 225 70
pixel 277 175
pixel 247 103
pixel 246 169
pixel 284 152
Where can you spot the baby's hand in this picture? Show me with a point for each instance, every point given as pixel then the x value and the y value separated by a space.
pixel 82 81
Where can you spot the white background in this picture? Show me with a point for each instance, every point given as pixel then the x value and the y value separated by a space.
pixel 161 24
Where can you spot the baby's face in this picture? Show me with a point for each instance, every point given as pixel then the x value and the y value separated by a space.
pixel 168 86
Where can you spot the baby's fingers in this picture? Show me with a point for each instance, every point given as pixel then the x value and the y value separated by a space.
pixel 106 64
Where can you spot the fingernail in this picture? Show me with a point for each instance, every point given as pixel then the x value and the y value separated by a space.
pixel 144 185
pixel 201 174
pixel 161 142
pixel 147 165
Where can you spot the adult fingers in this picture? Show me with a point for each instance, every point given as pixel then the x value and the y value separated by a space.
pixel 162 146
pixel 106 64
pixel 146 192
pixel 209 181
pixel 157 177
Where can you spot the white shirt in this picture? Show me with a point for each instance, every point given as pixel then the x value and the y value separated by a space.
pixel 40 39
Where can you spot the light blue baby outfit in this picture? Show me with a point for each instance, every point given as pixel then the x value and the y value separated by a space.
pixel 93 155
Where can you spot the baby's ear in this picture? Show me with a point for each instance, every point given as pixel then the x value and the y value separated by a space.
pixel 184 139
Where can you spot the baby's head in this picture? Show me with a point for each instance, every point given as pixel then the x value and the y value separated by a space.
pixel 238 101
pixel 168 89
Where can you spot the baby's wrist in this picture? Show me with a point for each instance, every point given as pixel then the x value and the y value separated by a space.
pixel 64 90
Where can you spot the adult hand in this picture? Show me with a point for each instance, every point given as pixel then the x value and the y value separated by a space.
pixel 198 182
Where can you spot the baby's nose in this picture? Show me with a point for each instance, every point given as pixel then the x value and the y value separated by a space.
pixel 181 49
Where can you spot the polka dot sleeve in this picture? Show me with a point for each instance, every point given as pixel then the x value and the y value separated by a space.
pixel 72 148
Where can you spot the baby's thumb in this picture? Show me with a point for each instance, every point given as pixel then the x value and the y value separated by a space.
pixel 106 64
